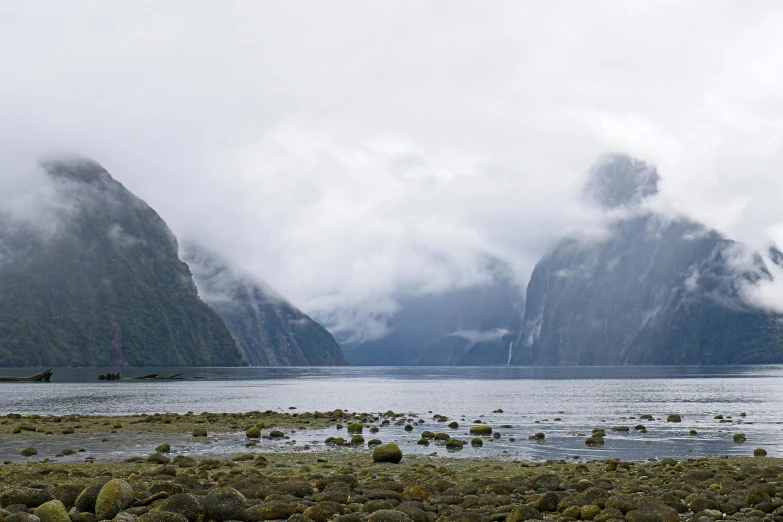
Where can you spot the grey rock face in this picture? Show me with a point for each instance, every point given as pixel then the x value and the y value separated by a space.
pixel 655 291
pixel 96 281
pixel 269 330
pixel 618 180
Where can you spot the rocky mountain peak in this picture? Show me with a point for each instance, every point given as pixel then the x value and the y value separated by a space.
pixel 619 180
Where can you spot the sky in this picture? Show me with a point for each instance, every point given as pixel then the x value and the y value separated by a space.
pixel 348 151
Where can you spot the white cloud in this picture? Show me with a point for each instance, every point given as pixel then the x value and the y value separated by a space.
pixel 342 153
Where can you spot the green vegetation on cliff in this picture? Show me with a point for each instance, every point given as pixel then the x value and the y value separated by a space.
pixel 102 285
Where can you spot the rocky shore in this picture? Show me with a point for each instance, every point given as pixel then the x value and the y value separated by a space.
pixel 375 483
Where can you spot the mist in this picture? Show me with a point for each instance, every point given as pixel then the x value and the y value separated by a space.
pixel 348 154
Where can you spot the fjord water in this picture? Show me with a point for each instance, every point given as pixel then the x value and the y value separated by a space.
pixel 531 399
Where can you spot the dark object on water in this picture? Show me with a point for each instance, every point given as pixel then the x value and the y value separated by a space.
pixel 41 377
pixel 176 376
pixel 149 376
pixel 109 377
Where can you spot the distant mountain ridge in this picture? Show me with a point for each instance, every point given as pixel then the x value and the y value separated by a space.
pixel 105 288
pixel 656 290
pixel 472 326
pixel 269 330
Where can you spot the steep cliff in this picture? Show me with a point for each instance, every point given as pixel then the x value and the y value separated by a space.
pixel 269 330
pixel 100 283
pixel 652 290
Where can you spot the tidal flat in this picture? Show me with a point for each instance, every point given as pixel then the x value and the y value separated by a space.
pixel 76 438
pixel 351 487
pixel 252 471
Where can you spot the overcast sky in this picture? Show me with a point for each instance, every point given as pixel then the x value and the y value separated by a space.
pixel 341 150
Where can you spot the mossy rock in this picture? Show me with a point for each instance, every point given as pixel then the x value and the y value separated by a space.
pixel 416 490
pixel 599 432
pixel 199 432
pixel 355 427
pixel 276 434
pixel 442 436
pixel 85 502
pixel 274 510
pixel 389 515
pixel 253 432
pixel 374 442
pixel 30 497
pixel 158 458
pixel 477 442
pixel 674 418
pixel 521 513
pixel 759 452
pixel 357 439
pixel 454 425
pixel 224 503
pixel 387 453
pixel 375 429
pixel 739 438
pixel 423 442
pixel 589 512
pixel 427 435
pixel 163 448
pixel 157 516
pixel 68 493
pixel 594 441
pixel 408 427
pixel 621 428
pixel 756 495
pixel 718 416
pixel 52 511
pixel 29 452
pixel 454 444
pixel 640 427
pixel 481 430
pixel 115 496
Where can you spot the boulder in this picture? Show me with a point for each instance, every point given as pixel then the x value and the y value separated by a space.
pixel 389 515
pixel 523 512
pixel 225 503
pixel 114 496
pixel 30 497
pixel 52 511
pixel 387 453
pixel 187 505
pixel 162 516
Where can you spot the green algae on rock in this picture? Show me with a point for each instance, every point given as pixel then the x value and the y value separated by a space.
pixel 52 511
pixel 387 453
pixel 481 430
pixel 114 496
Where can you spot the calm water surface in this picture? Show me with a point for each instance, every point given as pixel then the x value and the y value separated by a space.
pixel 531 398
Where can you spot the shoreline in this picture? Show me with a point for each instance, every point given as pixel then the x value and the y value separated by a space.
pixel 350 487
pixel 341 482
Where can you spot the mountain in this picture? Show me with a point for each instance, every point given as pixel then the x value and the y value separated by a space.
pixel 101 284
pixel 269 330
pixel 471 326
pixel 653 290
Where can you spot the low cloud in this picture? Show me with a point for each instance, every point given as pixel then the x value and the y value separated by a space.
pixel 346 155
pixel 480 336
